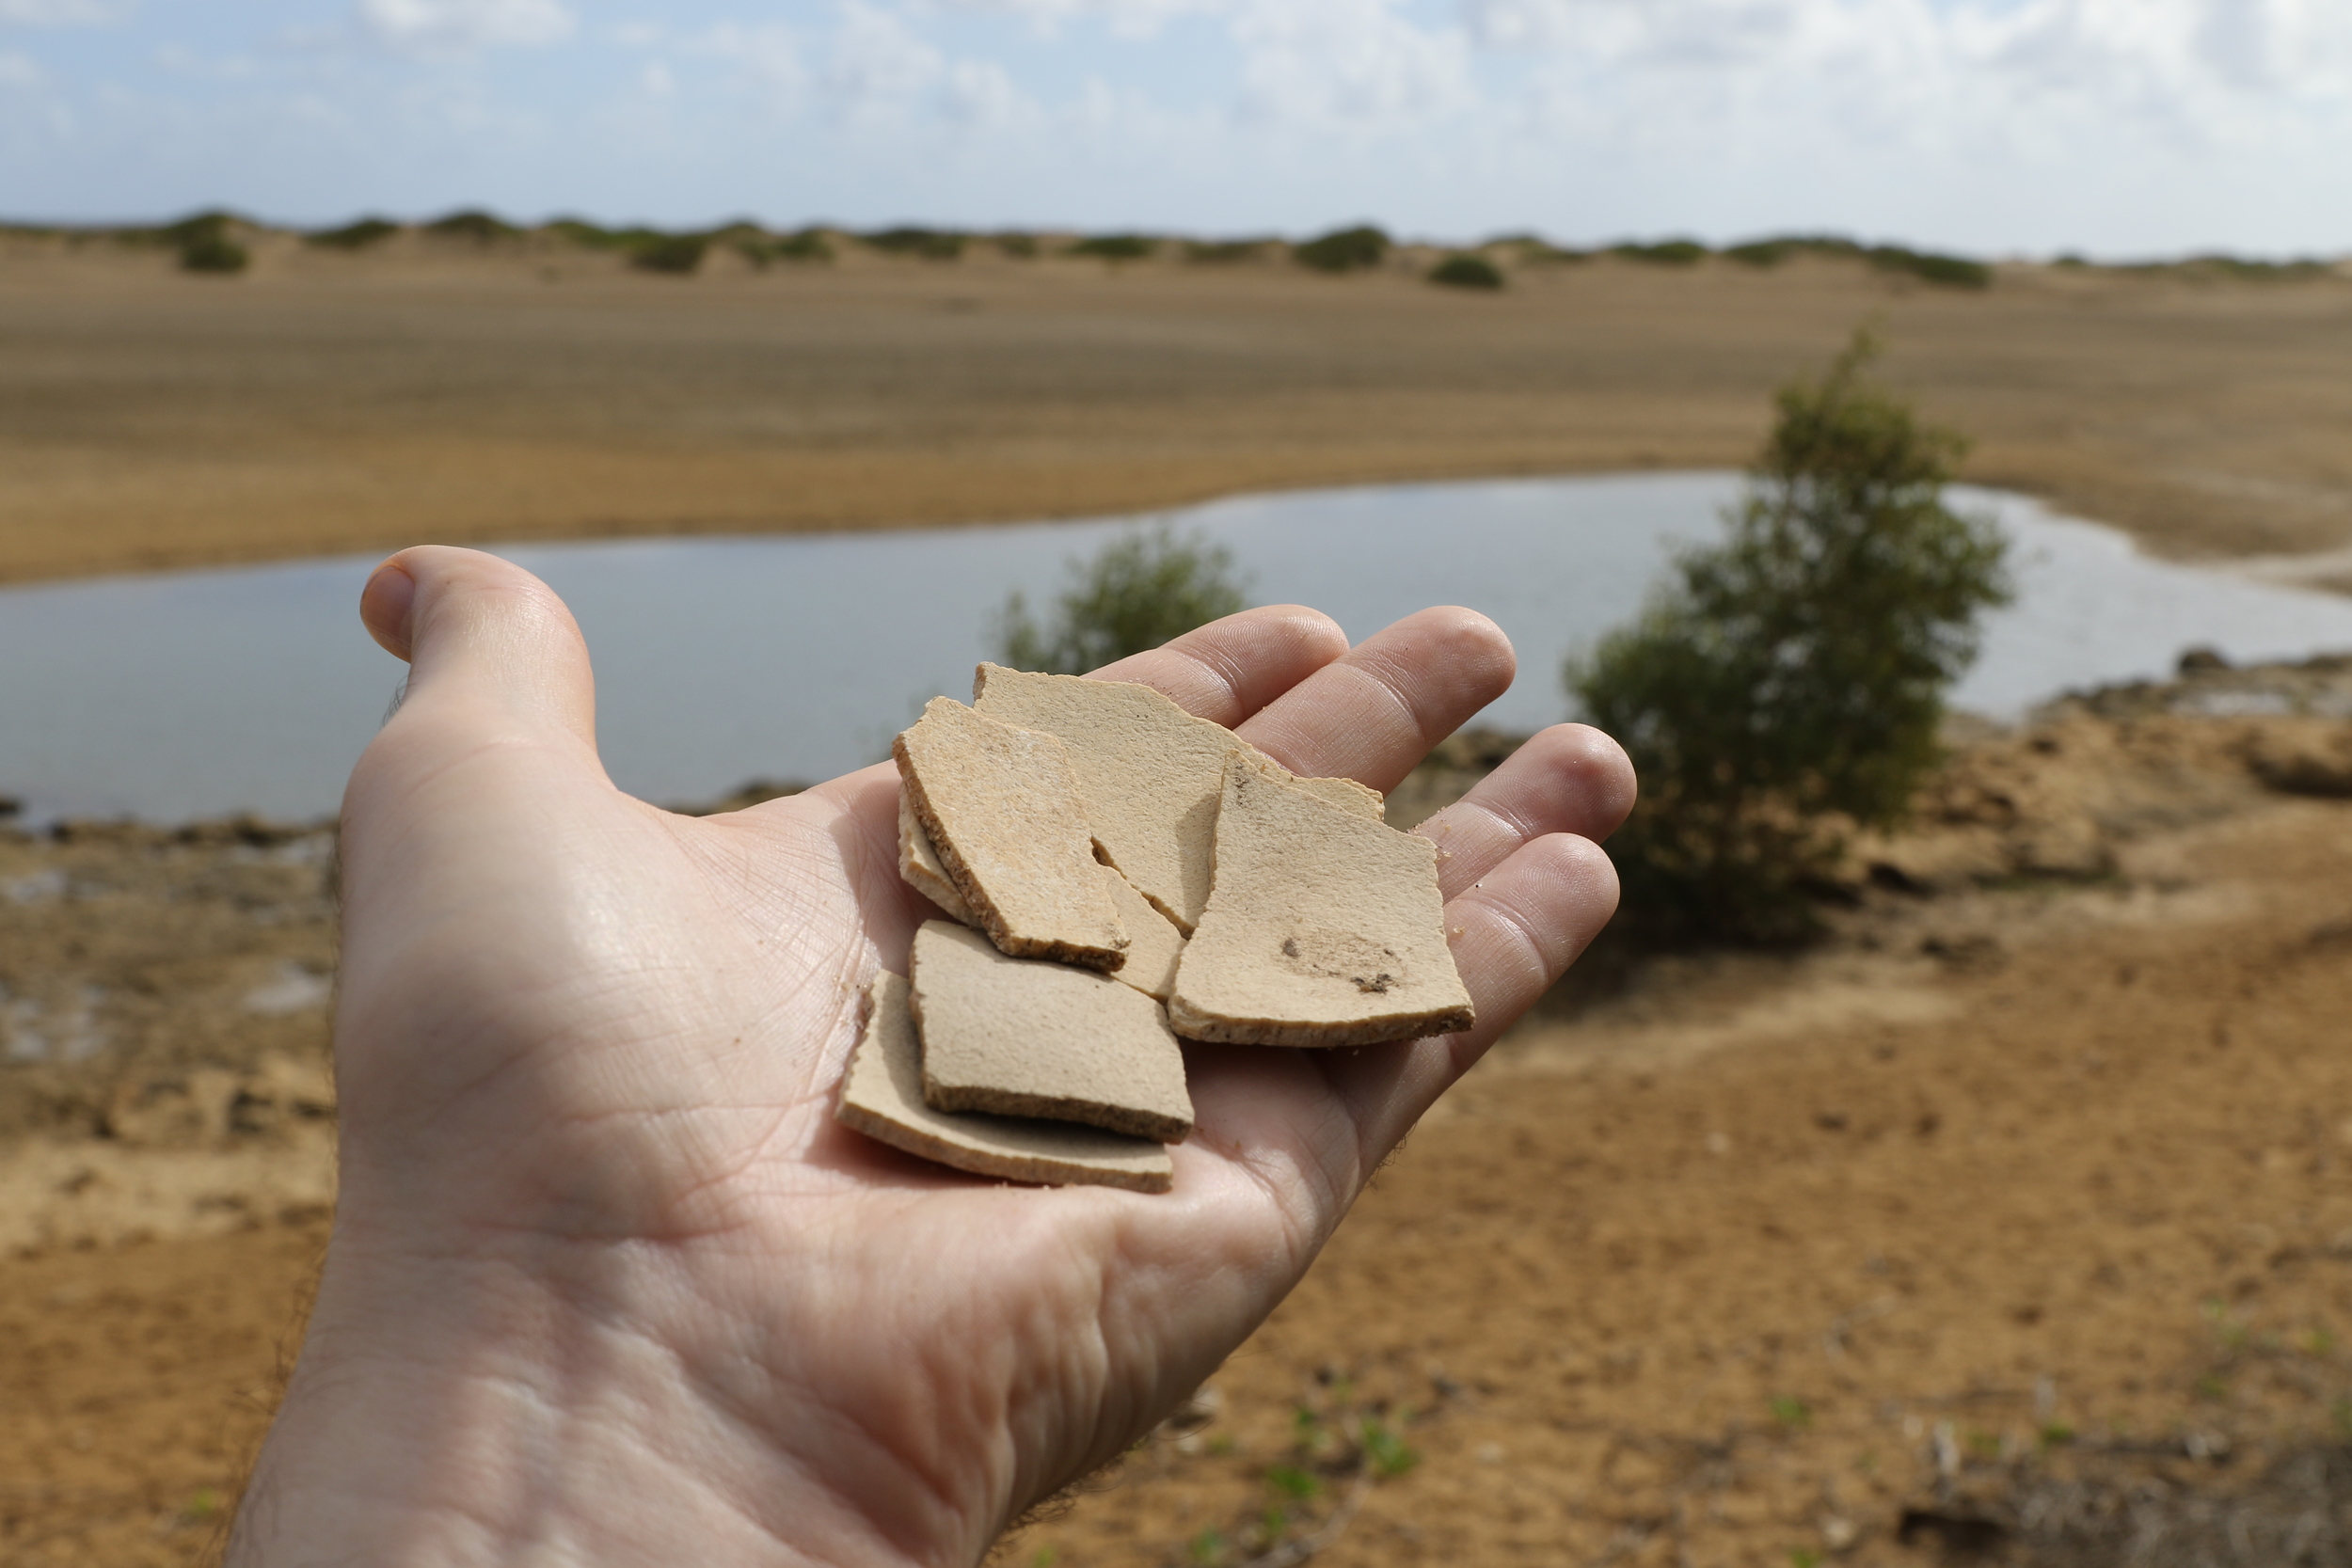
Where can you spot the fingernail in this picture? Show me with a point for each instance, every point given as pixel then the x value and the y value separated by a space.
pixel 385 604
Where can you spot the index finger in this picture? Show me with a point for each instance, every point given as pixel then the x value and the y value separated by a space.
pixel 1228 670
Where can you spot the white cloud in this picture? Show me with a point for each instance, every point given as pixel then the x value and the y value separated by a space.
pixel 18 71
pixel 1995 72
pixel 1125 18
pixel 1349 64
pixel 981 93
pixel 878 64
pixel 770 55
pixel 465 26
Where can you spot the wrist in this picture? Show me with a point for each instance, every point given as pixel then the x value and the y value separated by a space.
pixel 464 1410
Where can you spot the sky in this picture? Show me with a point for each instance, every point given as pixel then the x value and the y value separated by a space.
pixel 2114 128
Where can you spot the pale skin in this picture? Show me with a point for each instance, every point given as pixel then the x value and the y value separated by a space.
pixel 609 1285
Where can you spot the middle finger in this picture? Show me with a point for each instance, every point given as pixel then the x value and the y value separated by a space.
pixel 1372 714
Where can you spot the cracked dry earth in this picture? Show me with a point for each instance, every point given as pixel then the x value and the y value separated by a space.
pixel 2015 1220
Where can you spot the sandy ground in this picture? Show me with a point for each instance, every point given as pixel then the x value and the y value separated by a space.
pixel 327 402
pixel 2019 1212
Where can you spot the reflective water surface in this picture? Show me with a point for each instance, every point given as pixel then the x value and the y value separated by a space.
pixel 718 660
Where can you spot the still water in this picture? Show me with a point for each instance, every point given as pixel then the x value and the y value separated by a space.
pixel 718 660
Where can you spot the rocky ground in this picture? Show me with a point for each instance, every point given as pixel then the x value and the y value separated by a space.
pixel 2014 1219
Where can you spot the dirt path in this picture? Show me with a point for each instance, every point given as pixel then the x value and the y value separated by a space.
pixel 328 404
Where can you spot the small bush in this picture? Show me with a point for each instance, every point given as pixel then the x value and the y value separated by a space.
pixel 809 245
pixel 1020 246
pixel 675 254
pixel 354 236
pixel 480 227
pixel 1763 254
pixel 932 245
pixel 216 253
pixel 1138 592
pixel 1790 679
pixel 1116 248
pixel 205 243
pixel 1467 270
pixel 589 236
pixel 1951 272
pixel 1771 252
pixel 761 250
pixel 1225 252
pixel 2244 270
pixel 1535 252
pixel 1344 250
pixel 1667 253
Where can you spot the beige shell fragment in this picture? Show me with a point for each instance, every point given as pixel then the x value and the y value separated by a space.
pixel 881 1095
pixel 1323 928
pixel 1154 944
pixel 1002 807
pixel 1017 1038
pixel 919 868
pixel 1151 774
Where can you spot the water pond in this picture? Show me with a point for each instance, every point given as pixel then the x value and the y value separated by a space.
pixel 193 694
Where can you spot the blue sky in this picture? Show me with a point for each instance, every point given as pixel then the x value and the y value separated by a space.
pixel 2119 127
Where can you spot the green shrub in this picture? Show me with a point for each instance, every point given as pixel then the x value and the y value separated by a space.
pixel 480 227
pixel 591 236
pixel 1020 246
pixel 354 236
pixel 205 241
pixel 1138 591
pixel 1772 251
pixel 1762 253
pixel 1467 270
pixel 1225 252
pixel 1666 253
pixel 1344 250
pixel 1951 272
pixel 809 245
pixel 1533 252
pixel 213 253
pixel 932 245
pixel 761 250
pixel 1789 681
pixel 2244 270
pixel 1116 248
pixel 675 254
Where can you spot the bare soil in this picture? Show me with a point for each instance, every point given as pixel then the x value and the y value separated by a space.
pixel 442 391
pixel 2013 1220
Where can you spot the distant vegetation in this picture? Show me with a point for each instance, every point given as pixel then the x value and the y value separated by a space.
pixel 1116 248
pixel 932 245
pixel 1226 252
pixel 1467 270
pixel 671 253
pixel 1139 591
pixel 206 242
pixel 1344 250
pixel 220 242
pixel 1786 685
pixel 480 227
pixel 354 236
pixel 1667 253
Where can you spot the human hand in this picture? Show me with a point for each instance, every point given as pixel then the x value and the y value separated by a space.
pixel 609 1284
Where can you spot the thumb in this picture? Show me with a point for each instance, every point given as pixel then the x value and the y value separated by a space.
pixel 482 636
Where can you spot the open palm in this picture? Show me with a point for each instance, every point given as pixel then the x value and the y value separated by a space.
pixel 608 1282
